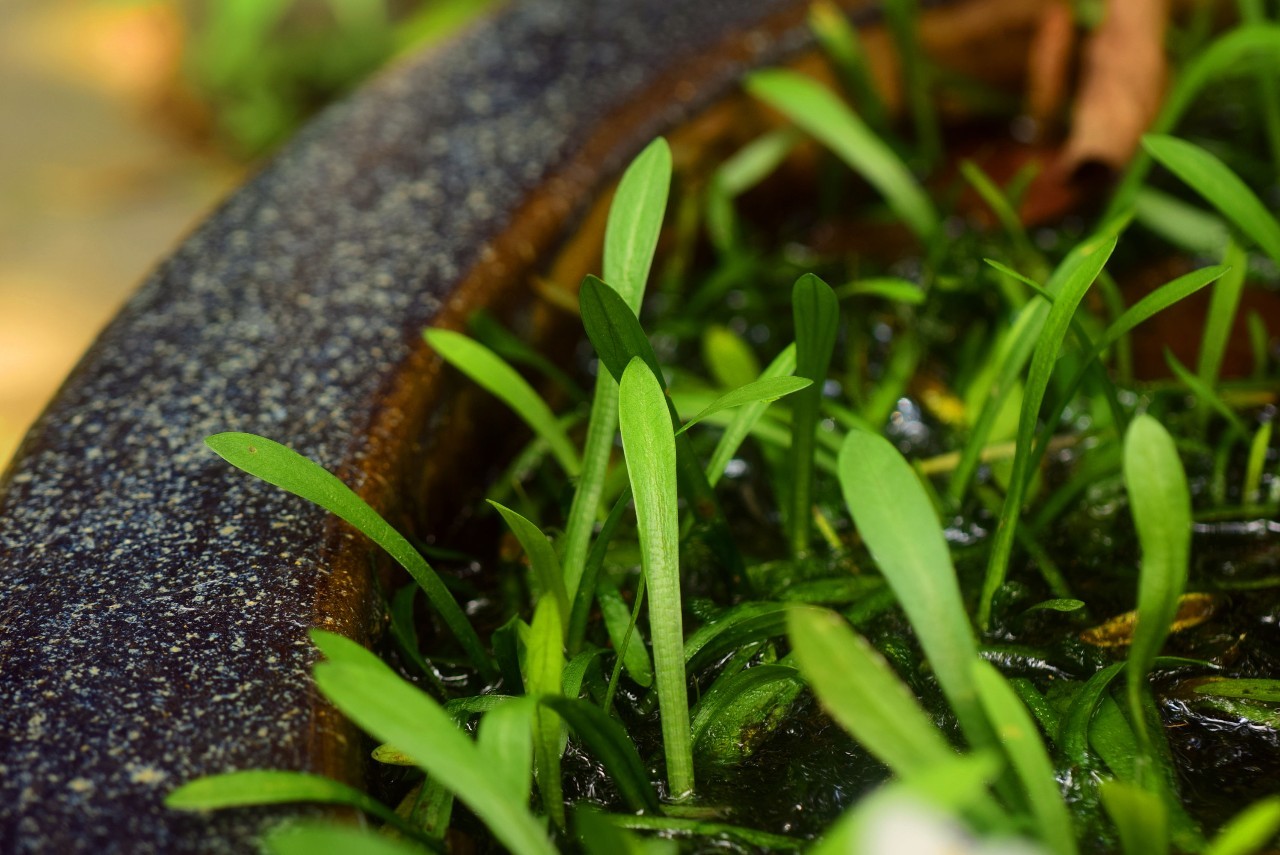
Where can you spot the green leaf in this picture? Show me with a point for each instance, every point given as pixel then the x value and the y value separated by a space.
pixel 279 465
pixel 1161 506
pixel 545 672
pixel 817 318
pixel 747 417
pixel 1090 257
pixel 1064 604
pixel 1140 817
pixel 635 221
pixel 891 288
pixel 546 566
pixel 271 787
pixel 613 328
pixel 617 617
pixel 648 444
pixel 767 390
pixel 489 370
pixel 505 737
pixel 900 528
pixel 1248 831
pixel 817 111
pixel 1028 758
pixel 729 359
pixel 840 41
pixel 308 838
pixel 738 626
pixel 1206 394
pixel 1245 689
pixel 1222 314
pixel 608 741
pixel 1221 187
pixel 861 692
pixel 737 712
pixel 394 711
pixel 1181 224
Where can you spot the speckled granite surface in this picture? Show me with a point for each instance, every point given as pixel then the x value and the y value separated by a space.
pixel 153 602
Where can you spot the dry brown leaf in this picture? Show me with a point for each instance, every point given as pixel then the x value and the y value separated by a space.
pixel 1193 610
pixel 1049 65
pixel 1122 82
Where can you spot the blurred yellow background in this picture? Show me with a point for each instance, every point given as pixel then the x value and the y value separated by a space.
pixel 122 122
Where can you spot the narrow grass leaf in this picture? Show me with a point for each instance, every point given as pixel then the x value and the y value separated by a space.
pixel 1256 689
pixel 1222 314
pixel 308 838
pixel 839 40
pixel 1248 831
pixel 728 357
pixel 614 329
pixel 271 787
pixel 492 373
pixel 542 557
pixel 1206 394
pixel 892 288
pixel 1221 187
pixel 903 18
pixel 394 711
pixel 599 836
pixel 747 417
pixel 633 656
pixel 1181 224
pixel 861 692
pixel 607 739
pixel 281 466
pixel 505 737
pixel 635 221
pixel 766 390
pixel 1028 758
pixel 1251 494
pixel 1139 816
pixel 1092 256
pixel 1161 506
pixel 737 627
pixel 648 443
pixel 1064 604
pixel 544 675
pixel 676 826
pixel 576 671
pixel 816 310
pixel 490 332
pixel 900 528
pixel 817 111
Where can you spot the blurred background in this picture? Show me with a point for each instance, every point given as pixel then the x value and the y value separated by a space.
pixel 122 122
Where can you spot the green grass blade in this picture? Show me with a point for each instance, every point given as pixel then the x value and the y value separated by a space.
pixel 737 627
pixel 861 692
pixel 1157 301
pixel 279 465
pixel 613 328
pixel 391 710
pixel 766 390
pixel 1206 394
pixel 588 584
pixel 648 443
pixel 747 417
pixel 635 221
pixel 632 653
pixel 1248 831
pixel 492 373
pixel 898 523
pixel 1221 187
pixel 608 741
pixel 1181 224
pixel 817 317
pixel 631 237
pixel 505 737
pixel 542 557
pixel 1028 758
pixel 892 288
pixel 271 787
pixel 746 168
pixel 577 670
pixel 736 712
pixel 544 675
pixel 817 111
pixel 728 357
pixel 1251 493
pixel 1161 506
pixel 1222 315
pixel 902 17
pixel 1093 256
pixel 839 40
pixel 490 332
pixel 1140 818
pixel 1256 689
pixel 308 838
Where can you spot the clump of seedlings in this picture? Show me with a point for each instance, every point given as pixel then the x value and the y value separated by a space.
pixel 912 560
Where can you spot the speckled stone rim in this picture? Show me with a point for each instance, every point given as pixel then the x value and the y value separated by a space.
pixel 154 603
